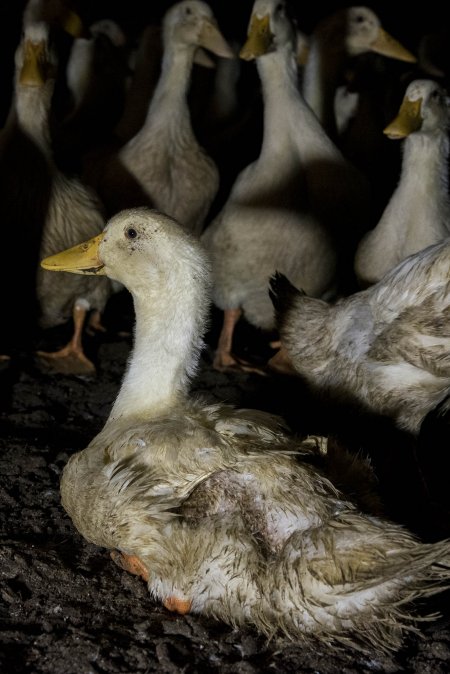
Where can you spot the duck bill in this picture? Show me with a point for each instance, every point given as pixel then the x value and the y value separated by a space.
pixel 81 259
pixel 212 39
pixel 33 72
pixel 386 45
pixel 407 121
pixel 259 40
pixel 72 23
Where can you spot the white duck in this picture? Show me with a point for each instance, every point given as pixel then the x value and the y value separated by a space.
pixel 164 156
pixel 345 33
pixel 418 213
pixel 72 211
pixel 385 348
pixel 219 510
pixel 296 209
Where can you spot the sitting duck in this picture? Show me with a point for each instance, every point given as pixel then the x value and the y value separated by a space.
pixel 220 510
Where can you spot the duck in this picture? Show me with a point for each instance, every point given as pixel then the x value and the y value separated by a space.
pixel 79 67
pixel 71 210
pixel 221 510
pixel 25 186
pixel 384 348
pixel 64 25
pixel 297 208
pixel 164 156
pixel 418 213
pixel 344 34
pixel 95 74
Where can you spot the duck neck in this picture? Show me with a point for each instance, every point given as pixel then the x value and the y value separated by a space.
pixel 420 205
pixel 169 102
pixel 429 153
pixel 165 354
pixel 278 75
pixel 32 106
pixel 291 129
pixel 320 81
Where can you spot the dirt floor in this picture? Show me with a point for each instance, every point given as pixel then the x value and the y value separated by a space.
pixel 66 608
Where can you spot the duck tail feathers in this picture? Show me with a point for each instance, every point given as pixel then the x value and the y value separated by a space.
pixel 283 294
pixel 312 604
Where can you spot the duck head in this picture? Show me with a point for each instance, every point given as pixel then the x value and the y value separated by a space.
pixel 270 27
pixel 191 23
pixel 425 107
pixel 364 32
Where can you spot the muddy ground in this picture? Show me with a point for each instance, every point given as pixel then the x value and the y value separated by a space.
pixel 66 608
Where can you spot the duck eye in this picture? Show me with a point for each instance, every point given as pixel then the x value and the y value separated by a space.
pixel 131 233
pixel 188 11
pixel 279 7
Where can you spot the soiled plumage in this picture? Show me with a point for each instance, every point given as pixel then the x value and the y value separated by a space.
pixel 72 210
pixel 418 213
pixel 296 209
pixel 386 347
pixel 220 510
pixel 164 156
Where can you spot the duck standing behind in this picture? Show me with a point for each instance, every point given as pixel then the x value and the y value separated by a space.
pixel 418 213
pixel 164 156
pixel 298 208
pixel 346 33
pixel 72 209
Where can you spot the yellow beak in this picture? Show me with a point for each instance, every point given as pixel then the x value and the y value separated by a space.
pixel 33 72
pixel 212 39
pixel 407 121
pixel 386 45
pixel 72 23
pixel 81 259
pixel 259 40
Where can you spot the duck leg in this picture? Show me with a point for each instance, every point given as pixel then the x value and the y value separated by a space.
pixel 71 358
pixel 95 323
pixel 281 362
pixel 224 359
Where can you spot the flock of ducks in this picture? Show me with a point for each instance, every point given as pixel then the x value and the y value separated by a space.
pixel 222 511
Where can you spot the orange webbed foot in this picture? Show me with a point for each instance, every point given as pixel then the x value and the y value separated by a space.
pixel 65 361
pixel 130 563
pixel 176 605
